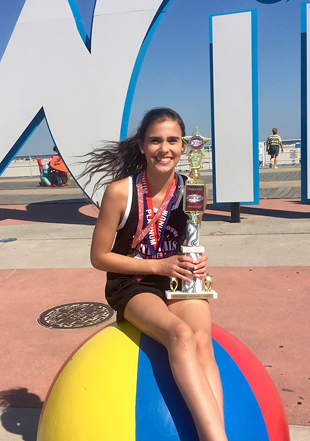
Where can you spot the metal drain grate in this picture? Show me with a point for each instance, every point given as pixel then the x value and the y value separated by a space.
pixel 75 315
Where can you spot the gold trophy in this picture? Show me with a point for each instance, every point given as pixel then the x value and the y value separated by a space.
pixel 194 202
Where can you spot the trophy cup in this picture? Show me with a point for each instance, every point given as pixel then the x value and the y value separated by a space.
pixel 194 202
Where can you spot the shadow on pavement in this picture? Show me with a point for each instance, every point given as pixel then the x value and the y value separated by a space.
pixel 21 412
pixel 64 213
pixel 223 212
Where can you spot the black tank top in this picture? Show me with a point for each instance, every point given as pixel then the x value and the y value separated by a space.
pixel 173 235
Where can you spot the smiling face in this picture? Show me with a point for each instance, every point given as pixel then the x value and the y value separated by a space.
pixel 162 146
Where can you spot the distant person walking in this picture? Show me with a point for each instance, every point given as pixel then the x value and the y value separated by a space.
pixel 273 145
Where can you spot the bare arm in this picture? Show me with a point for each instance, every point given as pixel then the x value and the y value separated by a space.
pixel 111 212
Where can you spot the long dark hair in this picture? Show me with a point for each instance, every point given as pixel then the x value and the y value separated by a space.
pixel 117 160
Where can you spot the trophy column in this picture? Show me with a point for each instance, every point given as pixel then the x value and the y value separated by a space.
pixel 194 202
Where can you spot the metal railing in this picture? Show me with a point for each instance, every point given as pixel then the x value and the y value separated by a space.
pixel 290 155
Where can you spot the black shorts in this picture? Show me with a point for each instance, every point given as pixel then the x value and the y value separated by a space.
pixel 273 150
pixel 120 290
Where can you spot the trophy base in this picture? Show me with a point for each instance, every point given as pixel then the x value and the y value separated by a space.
pixel 211 294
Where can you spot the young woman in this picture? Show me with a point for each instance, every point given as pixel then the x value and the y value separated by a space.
pixel 146 192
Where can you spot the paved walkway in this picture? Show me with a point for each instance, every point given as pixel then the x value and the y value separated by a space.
pixel 261 270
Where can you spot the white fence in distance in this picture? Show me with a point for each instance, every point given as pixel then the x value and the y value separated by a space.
pixel 28 167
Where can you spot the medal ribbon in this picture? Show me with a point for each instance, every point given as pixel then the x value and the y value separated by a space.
pixel 154 223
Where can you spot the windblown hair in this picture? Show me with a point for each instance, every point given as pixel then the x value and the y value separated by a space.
pixel 117 160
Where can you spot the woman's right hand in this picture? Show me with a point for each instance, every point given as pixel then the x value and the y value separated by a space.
pixel 183 267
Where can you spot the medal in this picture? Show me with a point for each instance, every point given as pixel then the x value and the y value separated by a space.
pixel 154 224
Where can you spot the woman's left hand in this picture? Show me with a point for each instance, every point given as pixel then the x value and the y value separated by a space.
pixel 200 269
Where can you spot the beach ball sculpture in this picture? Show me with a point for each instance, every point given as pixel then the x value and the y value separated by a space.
pixel 118 386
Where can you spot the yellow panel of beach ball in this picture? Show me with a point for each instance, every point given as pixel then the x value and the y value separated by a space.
pixel 78 407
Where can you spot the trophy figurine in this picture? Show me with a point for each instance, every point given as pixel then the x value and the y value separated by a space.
pixel 194 202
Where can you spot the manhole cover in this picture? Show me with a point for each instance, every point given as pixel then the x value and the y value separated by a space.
pixel 75 315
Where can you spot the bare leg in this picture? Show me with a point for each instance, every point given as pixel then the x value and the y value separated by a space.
pixel 271 158
pixel 196 313
pixel 275 161
pixel 150 314
pixel 68 179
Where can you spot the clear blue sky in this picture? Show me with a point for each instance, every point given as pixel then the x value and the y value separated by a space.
pixel 175 71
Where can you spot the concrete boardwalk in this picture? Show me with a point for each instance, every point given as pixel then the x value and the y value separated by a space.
pixel 261 270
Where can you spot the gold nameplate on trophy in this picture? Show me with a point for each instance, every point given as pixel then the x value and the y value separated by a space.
pixel 179 295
